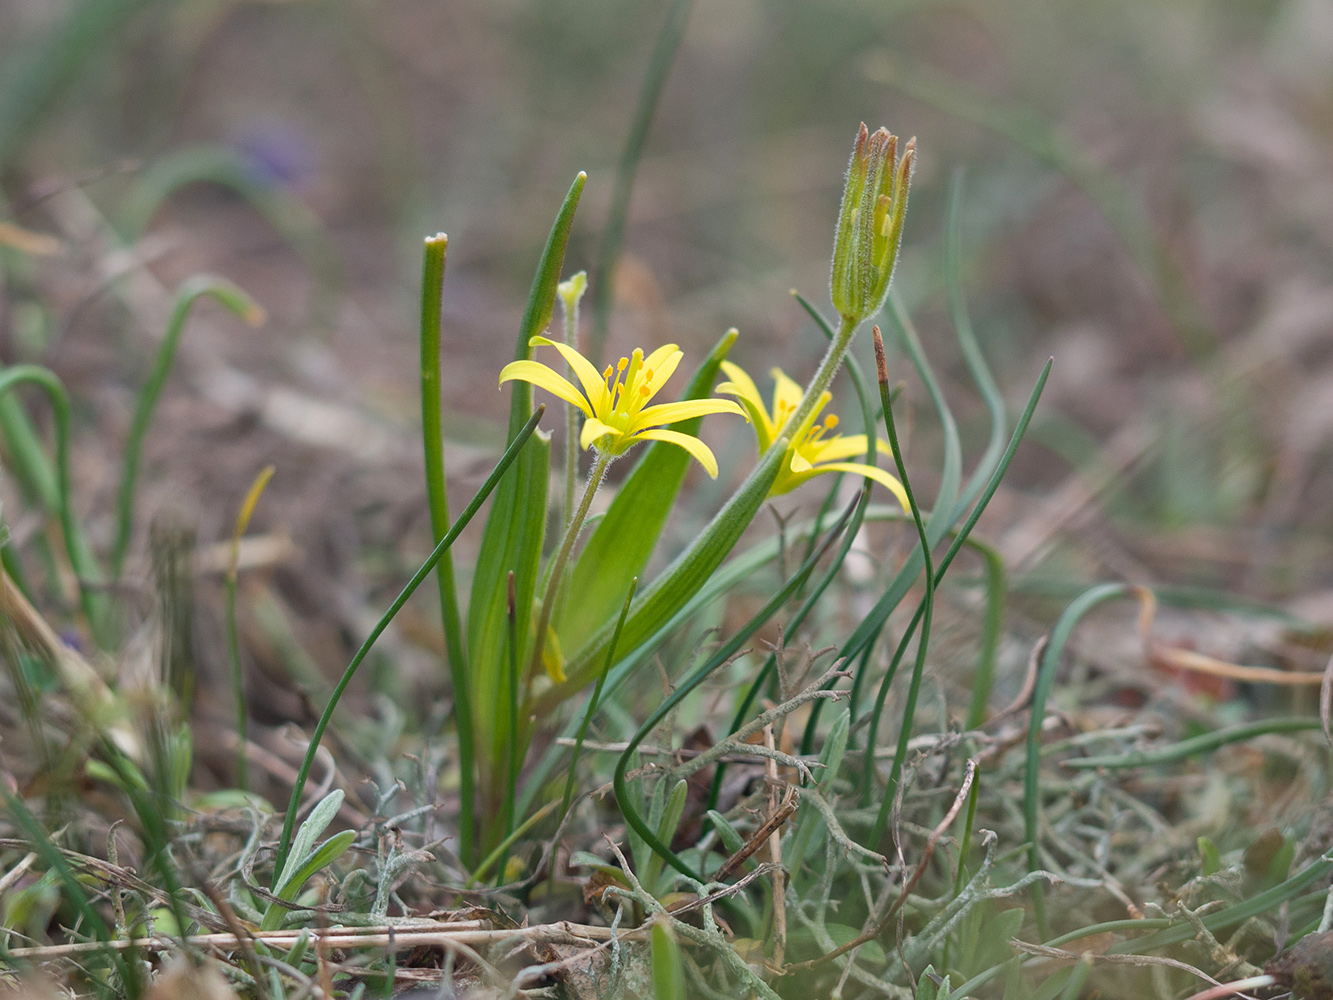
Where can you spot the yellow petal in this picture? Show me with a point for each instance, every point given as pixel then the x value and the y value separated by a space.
pixel 686 409
pixel 593 383
pixel 870 472
pixel 662 362
pixel 595 430
pixel 799 463
pixel 743 388
pixel 785 390
pixel 697 449
pixel 847 446
pixel 538 374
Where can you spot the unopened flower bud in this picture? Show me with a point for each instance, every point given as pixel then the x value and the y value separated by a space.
pixel 870 223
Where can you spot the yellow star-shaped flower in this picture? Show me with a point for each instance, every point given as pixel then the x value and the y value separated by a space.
pixel 615 403
pixel 815 449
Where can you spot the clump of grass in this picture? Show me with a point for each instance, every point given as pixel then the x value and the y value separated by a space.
pixel 776 830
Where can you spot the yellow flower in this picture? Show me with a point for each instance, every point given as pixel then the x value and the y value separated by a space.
pixel 614 403
pixel 815 449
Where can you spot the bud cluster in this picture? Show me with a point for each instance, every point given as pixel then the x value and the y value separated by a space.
pixel 870 223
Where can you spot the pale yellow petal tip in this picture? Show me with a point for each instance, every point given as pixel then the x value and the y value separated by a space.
pixel 553 658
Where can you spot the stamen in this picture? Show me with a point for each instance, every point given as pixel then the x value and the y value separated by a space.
pixel 831 421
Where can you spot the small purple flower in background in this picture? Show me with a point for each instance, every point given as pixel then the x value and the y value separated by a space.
pixel 277 153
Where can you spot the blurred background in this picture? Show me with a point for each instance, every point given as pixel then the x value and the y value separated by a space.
pixel 1146 195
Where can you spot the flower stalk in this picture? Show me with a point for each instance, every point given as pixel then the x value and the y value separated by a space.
pixel 557 572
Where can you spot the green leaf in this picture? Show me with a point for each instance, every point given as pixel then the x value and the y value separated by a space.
pixel 667 821
pixel 321 857
pixel 1211 857
pixel 729 835
pixel 316 823
pixel 512 539
pixel 620 547
pixel 668 969
pixel 681 580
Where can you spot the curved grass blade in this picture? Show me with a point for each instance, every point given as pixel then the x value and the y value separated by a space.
pixel 1050 661
pixel 80 553
pixel 885 605
pixel 1173 752
pixel 288 215
pixel 191 291
pixel 516 446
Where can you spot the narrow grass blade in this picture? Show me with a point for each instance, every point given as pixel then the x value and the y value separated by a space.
pixel 294 804
pixel 967 342
pixel 992 627
pixel 288 215
pixel 191 291
pixel 927 602
pixel 1050 661
pixel 659 65
pixel 1173 752
pixel 233 641
pixel 80 553
pixel 432 436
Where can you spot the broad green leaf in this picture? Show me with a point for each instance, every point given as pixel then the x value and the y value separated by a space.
pixel 681 580
pixel 668 820
pixel 620 547
pixel 323 856
pixel 668 969
pixel 512 539
pixel 729 835
pixel 316 823
pixel 1210 856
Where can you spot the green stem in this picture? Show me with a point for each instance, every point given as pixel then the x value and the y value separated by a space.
pixel 556 574
pixel 928 604
pixel 432 436
pixel 237 684
pixel 294 804
pixel 190 292
pixel 823 376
